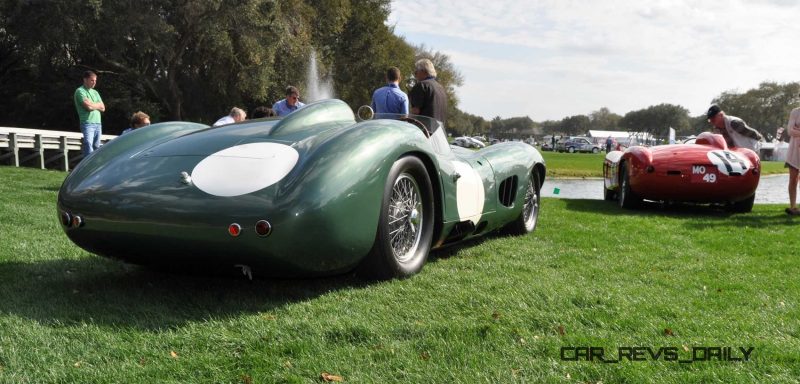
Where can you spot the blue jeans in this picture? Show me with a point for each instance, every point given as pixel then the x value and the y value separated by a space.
pixel 91 137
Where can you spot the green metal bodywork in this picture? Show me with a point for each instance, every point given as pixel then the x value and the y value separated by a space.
pixel 324 212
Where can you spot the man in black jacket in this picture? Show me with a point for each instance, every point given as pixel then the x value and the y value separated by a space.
pixel 428 97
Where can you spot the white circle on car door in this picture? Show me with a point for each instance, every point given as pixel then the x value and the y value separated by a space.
pixel 470 194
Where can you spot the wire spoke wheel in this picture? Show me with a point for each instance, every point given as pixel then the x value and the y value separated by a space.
pixel 405 225
pixel 530 209
pixel 528 218
pixel 405 218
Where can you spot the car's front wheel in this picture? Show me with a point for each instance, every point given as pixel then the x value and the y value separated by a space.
pixel 405 225
pixel 743 206
pixel 627 198
pixel 595 150
pixel 529 217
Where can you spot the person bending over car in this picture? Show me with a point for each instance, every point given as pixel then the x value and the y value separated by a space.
pixel 735 131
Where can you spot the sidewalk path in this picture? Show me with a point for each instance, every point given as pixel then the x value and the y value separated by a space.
pixel 771 189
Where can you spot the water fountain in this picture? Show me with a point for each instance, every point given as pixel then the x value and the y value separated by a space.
pixel 316 87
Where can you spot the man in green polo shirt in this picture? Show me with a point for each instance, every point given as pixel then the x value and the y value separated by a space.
pixel 89 105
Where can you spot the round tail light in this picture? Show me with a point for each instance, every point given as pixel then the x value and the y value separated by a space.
pixel 66 219
pixel 234 229
pixel 263 228
pixel 77 221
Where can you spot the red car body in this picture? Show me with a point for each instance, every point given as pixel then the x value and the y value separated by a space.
pixel 705 172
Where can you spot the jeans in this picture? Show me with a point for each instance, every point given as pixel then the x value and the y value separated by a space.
pixel 91 137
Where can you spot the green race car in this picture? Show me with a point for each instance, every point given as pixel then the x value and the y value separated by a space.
pixel 314 193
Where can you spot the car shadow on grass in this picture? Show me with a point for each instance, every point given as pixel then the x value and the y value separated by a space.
pixel 100 291
pixel 450 250
pixel 699 215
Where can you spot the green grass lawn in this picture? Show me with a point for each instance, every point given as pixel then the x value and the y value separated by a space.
pixel 591 165
pixel 495 310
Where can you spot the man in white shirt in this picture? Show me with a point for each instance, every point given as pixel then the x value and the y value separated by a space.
pixel 236 115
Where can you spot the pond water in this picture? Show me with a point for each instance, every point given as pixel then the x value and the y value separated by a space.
pixel 771 189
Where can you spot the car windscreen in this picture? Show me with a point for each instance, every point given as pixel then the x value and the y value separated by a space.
pixel 436 133
pixel 430 123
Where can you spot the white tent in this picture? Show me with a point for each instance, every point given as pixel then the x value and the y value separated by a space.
pixel 623 137
pixel 598 134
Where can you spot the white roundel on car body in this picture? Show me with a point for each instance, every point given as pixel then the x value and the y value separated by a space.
pixel 729 162
pixel 243 169
pixel 470 194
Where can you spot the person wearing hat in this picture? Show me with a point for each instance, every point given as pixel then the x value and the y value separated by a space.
pixel 793 159
pixel 735 131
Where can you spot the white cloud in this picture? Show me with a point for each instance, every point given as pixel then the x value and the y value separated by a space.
pixel 556 58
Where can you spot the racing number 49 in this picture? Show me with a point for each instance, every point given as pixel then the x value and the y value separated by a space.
pixel 710 177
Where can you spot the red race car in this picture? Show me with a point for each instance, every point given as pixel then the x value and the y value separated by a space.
pixel 705 172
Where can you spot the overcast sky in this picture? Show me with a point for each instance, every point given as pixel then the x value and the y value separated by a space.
pixel 549 59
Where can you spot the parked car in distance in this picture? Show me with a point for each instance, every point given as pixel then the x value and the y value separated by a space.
pixel 577 144
pixel 478 142
pixel 468 142
pixel 547 146
pixel 482 139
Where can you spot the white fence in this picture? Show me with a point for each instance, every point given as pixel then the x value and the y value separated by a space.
pixel 42 148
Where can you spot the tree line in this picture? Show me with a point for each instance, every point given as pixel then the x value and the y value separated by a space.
pixel 195 59
pixel 764 108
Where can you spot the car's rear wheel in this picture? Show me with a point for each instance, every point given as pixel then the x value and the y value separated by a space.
pixel 743 206
pixel 405 225
pixel 529 217
pixel 627 199
pixel 571 149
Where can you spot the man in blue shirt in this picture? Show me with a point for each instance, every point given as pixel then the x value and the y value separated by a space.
pixel 389 98
pixel 290 104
